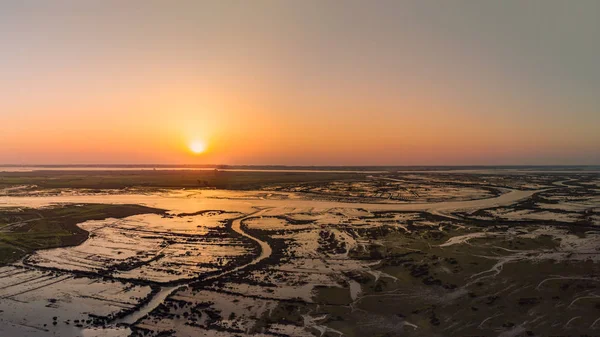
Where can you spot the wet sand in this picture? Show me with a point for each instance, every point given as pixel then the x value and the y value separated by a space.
pixel 327 236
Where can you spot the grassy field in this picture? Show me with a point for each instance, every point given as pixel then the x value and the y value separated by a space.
pixel 159 179
pixel 23 231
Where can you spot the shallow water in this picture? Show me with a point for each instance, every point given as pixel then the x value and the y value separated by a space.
pixel 246 205
pixel 192 201
pixel 148 307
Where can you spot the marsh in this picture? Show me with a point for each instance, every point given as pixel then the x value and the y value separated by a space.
pixel 302 254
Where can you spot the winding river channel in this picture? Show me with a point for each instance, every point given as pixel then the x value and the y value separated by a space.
pixel 265 251
pixel 252 204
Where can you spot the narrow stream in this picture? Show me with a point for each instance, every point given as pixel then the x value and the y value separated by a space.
pixel 161 296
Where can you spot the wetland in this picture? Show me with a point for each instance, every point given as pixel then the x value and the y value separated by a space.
pixel 309 253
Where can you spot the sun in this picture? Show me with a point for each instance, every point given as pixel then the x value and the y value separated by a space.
pixel 197 146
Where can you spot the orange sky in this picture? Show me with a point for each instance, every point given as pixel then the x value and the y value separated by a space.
pixel 300 84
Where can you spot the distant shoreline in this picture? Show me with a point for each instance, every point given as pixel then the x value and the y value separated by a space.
pixel 306 169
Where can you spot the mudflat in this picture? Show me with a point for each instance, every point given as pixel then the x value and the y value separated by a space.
pixel 210 253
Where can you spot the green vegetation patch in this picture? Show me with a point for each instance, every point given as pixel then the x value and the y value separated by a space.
pixel 23 231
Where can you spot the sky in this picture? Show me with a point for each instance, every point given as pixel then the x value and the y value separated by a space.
pixel 300 82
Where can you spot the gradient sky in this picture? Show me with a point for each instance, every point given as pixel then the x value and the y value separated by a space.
pixel 300 83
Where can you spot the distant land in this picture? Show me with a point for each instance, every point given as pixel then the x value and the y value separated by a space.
pixel 302 167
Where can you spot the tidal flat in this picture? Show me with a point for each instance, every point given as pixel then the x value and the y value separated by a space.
pixel 209 253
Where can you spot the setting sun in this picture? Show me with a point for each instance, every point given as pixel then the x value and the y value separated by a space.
pixel 197 147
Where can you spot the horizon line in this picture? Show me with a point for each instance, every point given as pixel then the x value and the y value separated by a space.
pixel 150 165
